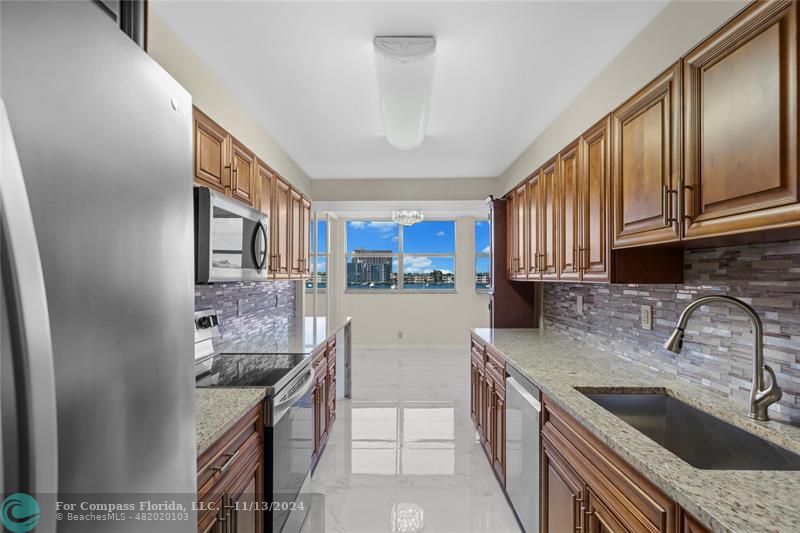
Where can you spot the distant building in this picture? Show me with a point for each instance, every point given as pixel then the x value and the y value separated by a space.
pixel 366 267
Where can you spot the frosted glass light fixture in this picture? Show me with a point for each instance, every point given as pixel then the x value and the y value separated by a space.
pixel 407 218
pixel 404 66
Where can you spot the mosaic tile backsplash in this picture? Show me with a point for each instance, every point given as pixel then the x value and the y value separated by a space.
pixel 717 351
pixel 264 306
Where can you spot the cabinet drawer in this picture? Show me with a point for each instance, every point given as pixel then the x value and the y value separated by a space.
pixel 497 359
pixel 635 500
pixel 221 457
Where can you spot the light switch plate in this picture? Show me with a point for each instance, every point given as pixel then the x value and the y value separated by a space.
pixel 239 304
pixel 647 317
pixel 579 305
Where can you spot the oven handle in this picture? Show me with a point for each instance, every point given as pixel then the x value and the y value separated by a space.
pixel 280 409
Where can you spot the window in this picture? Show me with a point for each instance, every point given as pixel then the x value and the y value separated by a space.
pixel 377 251
pixel 483 258
pixel 319 255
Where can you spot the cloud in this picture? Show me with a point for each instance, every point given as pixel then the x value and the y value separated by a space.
pixel 357 224
pixel 487 250
pixel 416 264
pixel 481 223
pixel 440 233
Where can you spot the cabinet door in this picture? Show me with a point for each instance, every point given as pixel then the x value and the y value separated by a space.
pixel 511 234
pixel 211 153
pixel 474 393
pixel 595 247
pixel 296 234
pixel 646 155
pixel 317 403
pixel 215 522
pixel 562 493
pixel 600 518
pixel 569 263
pixel 243 173
pixel 280 228
pixel 548 206
pixel 534 235
pixel 480 403
pixel 740 98
pixel 266 182
pixel 306 237
pixel 499 455
pixel 520 232
pixel 244 495
pixel 488 417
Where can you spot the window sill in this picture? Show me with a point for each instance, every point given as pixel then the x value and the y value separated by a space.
pixel 398 291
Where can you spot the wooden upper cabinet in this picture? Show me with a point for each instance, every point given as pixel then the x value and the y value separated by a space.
pixel 519 266
pixel 511 235
pixel 569 244
pixel 243 173
pixel 548 207
pixel 305 234
pixel 646 163
pixel 281 227
pixel 211 153
pixel 594 186
pixel 265 178
pixel 295 233
pixel 534 214
pixel 740 104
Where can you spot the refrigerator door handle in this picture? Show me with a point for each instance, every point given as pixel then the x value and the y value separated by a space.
pixel 32 351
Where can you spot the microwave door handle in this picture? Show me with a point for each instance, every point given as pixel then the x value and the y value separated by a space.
pixel 31 347
pixel 259 229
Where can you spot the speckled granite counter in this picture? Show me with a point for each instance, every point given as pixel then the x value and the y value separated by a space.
pixel 724 500
pixel 219 409
pixel 299 336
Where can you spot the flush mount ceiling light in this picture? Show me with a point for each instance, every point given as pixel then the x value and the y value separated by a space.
pixel 404 66
pixel 407 218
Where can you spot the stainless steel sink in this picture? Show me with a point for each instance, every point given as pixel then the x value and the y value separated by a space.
pixel 698 438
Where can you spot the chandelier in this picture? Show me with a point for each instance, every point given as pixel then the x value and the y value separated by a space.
pixel 407 218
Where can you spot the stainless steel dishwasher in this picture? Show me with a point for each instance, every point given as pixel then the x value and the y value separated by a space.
pixel 523 408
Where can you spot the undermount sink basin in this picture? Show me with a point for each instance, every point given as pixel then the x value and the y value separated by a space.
pixel 698 438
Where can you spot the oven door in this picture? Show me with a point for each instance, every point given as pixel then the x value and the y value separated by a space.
pixel 231 239
pixel 292 445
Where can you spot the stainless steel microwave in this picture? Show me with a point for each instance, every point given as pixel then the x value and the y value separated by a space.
pixel 230 239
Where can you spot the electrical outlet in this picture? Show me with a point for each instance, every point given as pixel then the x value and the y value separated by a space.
pixel 579 305
pixel 647 317
pixel 399 334
pixel 239 305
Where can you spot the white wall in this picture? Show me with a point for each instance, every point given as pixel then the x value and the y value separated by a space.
pixel 403 189
pixel 426 320
pixel 213 98
pixel 672 33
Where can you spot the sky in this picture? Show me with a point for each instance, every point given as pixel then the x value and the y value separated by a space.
pixel 421 239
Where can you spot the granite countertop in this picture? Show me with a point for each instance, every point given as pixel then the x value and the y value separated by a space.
pixel 724 500
pixel 298 337
pixel 218 409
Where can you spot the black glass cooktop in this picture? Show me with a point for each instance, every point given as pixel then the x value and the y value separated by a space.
pixel 249 370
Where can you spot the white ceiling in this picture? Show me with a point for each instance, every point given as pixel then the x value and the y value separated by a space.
pixel 504 70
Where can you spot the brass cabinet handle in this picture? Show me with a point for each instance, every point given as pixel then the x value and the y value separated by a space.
pixel 666 198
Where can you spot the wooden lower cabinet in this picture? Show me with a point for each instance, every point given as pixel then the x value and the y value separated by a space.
pixel 587 487
pixel 488 404
pixel 323 397
pixel 562 493
pixel 230 474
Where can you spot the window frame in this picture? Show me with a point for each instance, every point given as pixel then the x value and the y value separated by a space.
pixel 314 254
pixel 479 254
pixel 400 259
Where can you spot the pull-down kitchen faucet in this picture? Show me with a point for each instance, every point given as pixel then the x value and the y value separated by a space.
pixel 760 398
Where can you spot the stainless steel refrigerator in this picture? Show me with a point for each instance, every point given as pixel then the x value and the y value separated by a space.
pixel 97 274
